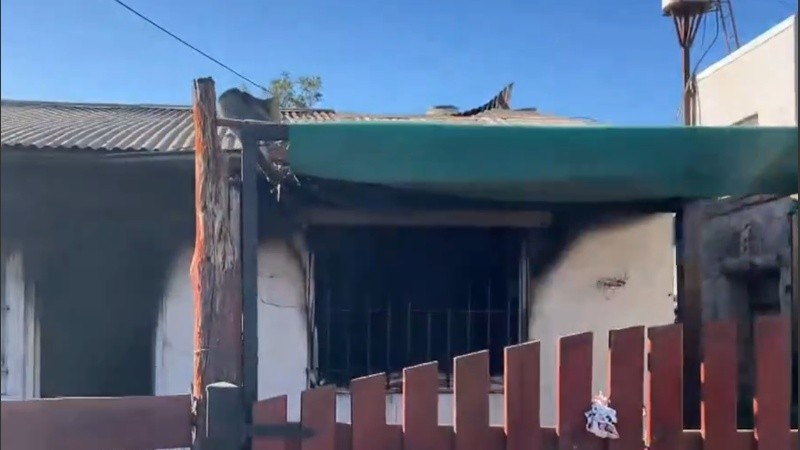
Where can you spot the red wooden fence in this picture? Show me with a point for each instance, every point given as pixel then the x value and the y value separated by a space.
pixel 164 422
pixel 660 370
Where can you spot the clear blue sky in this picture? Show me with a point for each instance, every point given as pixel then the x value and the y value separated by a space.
pixel 616 60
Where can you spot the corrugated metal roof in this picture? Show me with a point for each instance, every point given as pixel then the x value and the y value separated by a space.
pixel 163 128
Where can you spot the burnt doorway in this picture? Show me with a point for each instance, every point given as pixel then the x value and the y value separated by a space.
pixel 390 297
pixel 98 298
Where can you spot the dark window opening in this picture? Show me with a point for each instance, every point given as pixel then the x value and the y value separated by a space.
pixel 388 298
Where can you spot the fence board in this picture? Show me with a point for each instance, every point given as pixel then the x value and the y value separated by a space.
pixel 471 401
pixel 421 408
pixel 574 392
pixel 89 423
pixel 394 437
pixel 693 440
pixel 665 388
pixel 344 436
pixel 318 412
pixel 368 412
pixel 625 386
pixel 719 386
pixel 271 411
pixel 521 397
pixel 773 392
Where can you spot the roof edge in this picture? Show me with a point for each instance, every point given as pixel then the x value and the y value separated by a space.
pixel 8 101
pixel 749 46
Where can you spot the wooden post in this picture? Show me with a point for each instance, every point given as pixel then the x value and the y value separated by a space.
pixel 690 298
pixel 216 263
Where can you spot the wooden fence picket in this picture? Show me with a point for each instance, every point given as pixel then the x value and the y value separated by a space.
pixel 665 388
pixel 626 373
pixel 574 393
pixel 521 397
pixel 471 402
pixel 421 408
pixel 271 411
pixel 368 413
pixel 318 412
pixel 772 401
pixel 719 380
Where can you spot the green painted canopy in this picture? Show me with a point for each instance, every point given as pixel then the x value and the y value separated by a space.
pixel 551 164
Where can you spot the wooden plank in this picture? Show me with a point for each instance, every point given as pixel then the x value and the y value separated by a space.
pixel 476 218
pixel 344 436
pixel 665 388
pixel 394 441
pixel 521 400
pixel 471 401
pixel 368 412
pixel 318 412
pixel 270 412
pixel 693 440
pixel 574 392
pixel 626 386
pixel 772 403
pixel 216 263
pixel 421 408
pixel 719 386
pixel 549 439
pixel 497 438
pixel 796 305
pixel 89 423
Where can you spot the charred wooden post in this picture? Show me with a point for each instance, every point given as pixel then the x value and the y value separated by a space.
pixel 216 264
pixel 690 308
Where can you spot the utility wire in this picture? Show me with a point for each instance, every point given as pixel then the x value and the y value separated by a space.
pixel 177 38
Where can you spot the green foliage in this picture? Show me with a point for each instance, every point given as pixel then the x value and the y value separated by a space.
pixel 296 92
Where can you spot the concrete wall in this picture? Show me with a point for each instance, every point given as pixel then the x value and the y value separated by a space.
pixel 573 297
pixel 757 79
pixel 568 300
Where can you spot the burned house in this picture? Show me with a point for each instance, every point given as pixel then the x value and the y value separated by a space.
pixel 358 272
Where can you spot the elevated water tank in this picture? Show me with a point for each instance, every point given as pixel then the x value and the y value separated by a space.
pixel 686 7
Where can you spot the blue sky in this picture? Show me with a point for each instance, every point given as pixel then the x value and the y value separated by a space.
pixel 617 61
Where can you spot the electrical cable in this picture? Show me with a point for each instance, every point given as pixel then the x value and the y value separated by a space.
pixel 182 41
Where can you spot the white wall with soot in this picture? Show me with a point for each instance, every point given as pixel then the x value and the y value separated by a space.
pixel 567 300
pixel 573 297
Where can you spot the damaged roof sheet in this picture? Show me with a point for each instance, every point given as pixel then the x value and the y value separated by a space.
pixel 161 128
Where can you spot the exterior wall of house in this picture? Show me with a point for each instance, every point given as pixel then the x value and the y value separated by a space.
pixel 568 300
pixel 757 84
pixel 576 295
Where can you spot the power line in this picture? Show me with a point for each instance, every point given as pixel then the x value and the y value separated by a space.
pixel 182 41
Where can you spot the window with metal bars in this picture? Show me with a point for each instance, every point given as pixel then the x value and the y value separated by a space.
pixel 386 298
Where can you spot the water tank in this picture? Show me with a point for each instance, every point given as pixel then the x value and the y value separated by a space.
pixel 442 110
pixel 686 7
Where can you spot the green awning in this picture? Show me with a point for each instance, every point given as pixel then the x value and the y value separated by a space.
pixel 559 164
